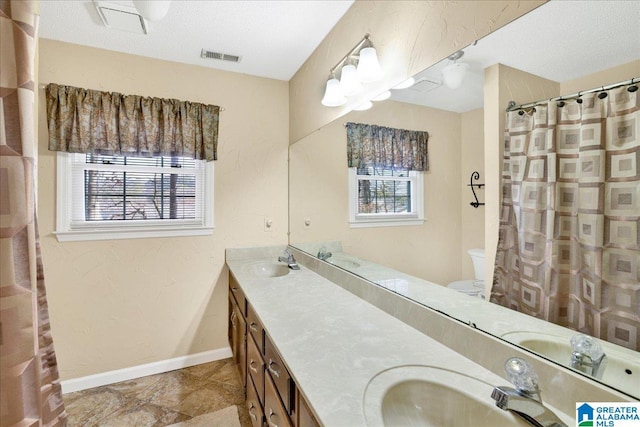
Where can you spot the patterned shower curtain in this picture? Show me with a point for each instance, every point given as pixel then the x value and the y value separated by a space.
pixel 29 387
pixel 569 245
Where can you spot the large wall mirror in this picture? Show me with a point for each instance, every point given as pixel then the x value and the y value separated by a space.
pixel 548 42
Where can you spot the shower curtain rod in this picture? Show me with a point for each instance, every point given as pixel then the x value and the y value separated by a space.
pixel 512 104
pixel 44 85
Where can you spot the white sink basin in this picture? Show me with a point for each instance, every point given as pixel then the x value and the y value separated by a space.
pixel 622 370
pixel 430 396
pixel 267 269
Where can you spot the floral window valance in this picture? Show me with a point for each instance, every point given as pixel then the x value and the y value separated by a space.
pixel 91 121
pixel 377 146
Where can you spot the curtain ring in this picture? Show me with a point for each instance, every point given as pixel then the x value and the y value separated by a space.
pixel 579 100
pixel 633 87
pixel 603 94
pixel 560 103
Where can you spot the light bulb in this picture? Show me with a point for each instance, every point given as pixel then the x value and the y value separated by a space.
pixel 368 67
pixel 333 96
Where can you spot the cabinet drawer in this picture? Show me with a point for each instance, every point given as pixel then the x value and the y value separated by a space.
pixel 275 414
pixel 255 328
pixel 304 417
pixel 255 367
pixel 281 378
pixel 238 294
pixel 254 406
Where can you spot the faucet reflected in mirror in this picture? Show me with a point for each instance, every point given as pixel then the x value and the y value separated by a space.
pixel 437 250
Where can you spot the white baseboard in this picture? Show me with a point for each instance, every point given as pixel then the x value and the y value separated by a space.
pixel 133 372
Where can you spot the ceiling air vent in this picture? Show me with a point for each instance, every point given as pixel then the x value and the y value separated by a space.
pixel 425 85
pixel 207 54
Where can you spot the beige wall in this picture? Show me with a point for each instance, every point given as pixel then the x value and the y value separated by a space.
pixel 471 159
pixel 319 191
pixel 120 303
pixel 409 36
pixel 602 78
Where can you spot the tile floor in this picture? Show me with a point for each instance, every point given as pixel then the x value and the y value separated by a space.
pixel 160 400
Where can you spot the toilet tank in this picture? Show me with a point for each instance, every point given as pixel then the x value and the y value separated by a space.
pixel 477 256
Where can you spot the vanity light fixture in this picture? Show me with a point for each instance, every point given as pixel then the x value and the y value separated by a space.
pixel 358 66
pixel 454 73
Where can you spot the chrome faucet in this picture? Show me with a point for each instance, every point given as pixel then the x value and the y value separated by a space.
pixel 525 399
pixel 587 355
pixel 289 259
pixel 323 254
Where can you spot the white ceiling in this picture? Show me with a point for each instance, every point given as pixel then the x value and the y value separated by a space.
pixel 274 38
pixel 560 41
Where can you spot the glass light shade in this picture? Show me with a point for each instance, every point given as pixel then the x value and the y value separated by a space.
pixel 333 96
pixel 364 106
pixel 152 10
pixel 453 74
pixel 381 97
pixel 368 67
pixel 349 81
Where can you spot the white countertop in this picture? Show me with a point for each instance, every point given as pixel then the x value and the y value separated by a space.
pixel 334 343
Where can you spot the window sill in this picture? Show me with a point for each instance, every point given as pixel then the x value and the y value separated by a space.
pixel 385 223
pixel 105 234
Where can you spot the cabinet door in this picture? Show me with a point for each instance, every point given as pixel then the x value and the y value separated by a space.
pixel 254 328
pixel 275 414
pixel 255 367
pixel 281 379
pixel 254 405
pixel 305 417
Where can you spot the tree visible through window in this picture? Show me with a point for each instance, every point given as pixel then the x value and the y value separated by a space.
pixel 383 195
pixel 120 188
pixel 380 196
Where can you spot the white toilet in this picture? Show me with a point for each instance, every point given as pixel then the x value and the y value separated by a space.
pixel 472 287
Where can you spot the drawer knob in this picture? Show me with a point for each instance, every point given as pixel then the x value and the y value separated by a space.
pixel 253 327
pixel 251 363
pixel 254 416
pixel 271 415
pixel 272 370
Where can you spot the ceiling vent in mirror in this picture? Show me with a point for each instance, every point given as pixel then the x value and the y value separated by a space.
pixel 425 85
pixel 121 17
pixel 208 54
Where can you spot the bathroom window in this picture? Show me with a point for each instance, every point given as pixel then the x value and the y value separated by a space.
pixel 114 197
pixel 380 197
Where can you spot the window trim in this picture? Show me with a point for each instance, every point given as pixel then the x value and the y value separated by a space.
pixel 386 220
pixel 66 232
